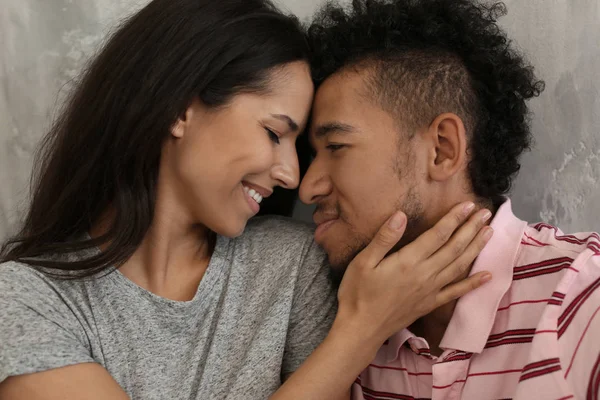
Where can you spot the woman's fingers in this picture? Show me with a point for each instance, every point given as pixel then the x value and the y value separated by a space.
pixel 416 279
pixel 385 239
pixel 461 266
pixel 459 289
pixel 433 239
pixel 462 238
pixel 454 259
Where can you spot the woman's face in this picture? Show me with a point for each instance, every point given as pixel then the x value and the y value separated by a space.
pixel 218 164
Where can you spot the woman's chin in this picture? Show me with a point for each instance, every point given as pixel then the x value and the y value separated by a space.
pixel 232 230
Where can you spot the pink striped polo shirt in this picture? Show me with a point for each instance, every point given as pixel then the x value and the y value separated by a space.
pixel 533 332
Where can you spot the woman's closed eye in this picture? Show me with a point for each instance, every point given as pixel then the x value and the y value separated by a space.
pixel 272 135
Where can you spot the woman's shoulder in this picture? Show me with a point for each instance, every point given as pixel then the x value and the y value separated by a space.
pixel 36 315
pixel 27 291
pixel 23 283
pixel 17 277
pixel 278 228
pixel 281 240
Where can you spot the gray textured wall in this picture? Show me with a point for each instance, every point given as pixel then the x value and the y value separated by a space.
pixel 44 44
pixel 560 178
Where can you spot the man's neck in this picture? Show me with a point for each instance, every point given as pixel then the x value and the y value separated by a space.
pixel 432 326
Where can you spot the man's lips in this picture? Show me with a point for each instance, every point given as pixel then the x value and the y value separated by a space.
pixel 324 222
pixel 322 218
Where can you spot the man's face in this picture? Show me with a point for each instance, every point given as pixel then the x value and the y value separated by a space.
pixel 363 170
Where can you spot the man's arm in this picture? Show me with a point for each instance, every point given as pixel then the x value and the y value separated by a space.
pixel 579 332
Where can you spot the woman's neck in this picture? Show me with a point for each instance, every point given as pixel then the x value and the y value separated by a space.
pixel 171 264
pixel 173 256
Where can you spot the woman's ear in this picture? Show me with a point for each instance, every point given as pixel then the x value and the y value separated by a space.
pixel 178 129
pixel 194 109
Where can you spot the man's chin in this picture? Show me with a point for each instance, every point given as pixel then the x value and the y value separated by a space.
pixel 338 265
pixel 336 274
pixel 340 254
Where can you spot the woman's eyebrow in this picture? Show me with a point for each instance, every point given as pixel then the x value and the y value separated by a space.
pixel 291 123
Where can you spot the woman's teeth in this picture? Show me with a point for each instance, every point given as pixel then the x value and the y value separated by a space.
pixel 252 193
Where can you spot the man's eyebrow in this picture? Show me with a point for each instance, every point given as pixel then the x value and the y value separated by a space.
pixel 331 127
pixel 293 125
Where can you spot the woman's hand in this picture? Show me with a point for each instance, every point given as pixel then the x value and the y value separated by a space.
pixel 381 295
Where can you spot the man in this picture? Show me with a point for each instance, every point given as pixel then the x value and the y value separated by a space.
pixel 421 105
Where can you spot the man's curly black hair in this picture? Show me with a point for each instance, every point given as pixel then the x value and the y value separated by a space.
pixel 428 57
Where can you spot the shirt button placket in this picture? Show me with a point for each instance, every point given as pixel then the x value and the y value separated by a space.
pixel 444 374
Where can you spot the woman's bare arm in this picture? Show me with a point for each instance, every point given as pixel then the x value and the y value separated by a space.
pixel 86 381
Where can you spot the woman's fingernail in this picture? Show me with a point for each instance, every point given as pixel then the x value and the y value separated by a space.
pixel 397 221
pixel 468 208
pixel 486 215
pixel 487 235
pixel 486 278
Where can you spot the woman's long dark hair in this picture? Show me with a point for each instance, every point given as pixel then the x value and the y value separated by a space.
pixel 103 151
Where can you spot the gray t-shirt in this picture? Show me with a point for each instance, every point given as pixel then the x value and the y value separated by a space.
pixel 262 307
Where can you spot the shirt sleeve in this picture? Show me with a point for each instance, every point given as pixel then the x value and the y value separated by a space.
pixel 579 333
pixel 313 310
pixel 38 329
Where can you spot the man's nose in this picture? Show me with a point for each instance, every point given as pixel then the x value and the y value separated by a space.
pixel 316 184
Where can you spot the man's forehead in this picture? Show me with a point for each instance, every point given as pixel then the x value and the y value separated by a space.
pixel 337 101
pixel 349 84
pixel 344 105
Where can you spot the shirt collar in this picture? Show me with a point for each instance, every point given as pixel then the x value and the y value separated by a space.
pixel 475 312
pixel 395 343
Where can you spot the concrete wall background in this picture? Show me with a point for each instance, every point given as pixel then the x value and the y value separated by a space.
pixel 560 179
pixel 44 44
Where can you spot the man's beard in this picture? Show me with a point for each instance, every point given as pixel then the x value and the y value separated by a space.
pixel 411 206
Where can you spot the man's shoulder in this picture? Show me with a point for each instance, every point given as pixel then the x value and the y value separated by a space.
pixel 574 306
pixel 543 243
pixel 543 235
pixel 572 258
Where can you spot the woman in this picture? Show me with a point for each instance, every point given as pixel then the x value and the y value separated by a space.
pixel 137 271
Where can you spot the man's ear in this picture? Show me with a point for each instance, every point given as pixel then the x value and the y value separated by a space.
pixel 448 153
